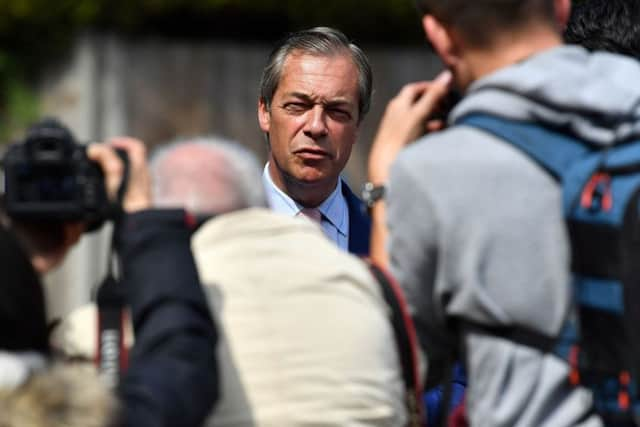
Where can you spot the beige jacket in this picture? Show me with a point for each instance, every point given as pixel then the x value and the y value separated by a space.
pixel 307 335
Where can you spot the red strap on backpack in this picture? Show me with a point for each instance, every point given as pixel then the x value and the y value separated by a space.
pixel 406 342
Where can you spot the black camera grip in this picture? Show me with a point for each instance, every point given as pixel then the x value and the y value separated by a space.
pixel 125 176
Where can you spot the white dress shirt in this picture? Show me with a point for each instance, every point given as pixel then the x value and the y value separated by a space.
pixel 335 212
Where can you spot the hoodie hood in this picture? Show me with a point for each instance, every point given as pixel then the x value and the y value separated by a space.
pixel 594 95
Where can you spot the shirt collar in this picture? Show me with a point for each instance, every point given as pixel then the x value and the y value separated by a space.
pixel 334 208
pixel 278 200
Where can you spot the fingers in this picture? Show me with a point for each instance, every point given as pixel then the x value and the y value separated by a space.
pixel 423 97
pixel 111 165
pixel 437 90
pixel 412 91
pixel 405 119
pixel 138 193
pixel 138 190
pixel 136 150
pixel 434 125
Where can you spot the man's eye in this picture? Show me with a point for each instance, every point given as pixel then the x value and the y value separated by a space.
pixel 339 115
pixel 295 107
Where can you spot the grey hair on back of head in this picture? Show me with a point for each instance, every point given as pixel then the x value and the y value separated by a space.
pixel 228 176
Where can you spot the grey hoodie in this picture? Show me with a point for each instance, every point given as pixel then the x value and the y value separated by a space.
pixel 476 230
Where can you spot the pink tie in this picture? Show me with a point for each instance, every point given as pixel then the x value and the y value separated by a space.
pixel 312 213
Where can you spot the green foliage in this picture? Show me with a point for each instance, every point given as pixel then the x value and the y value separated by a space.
pixel 19 105
pixel 21 108
pixel 63 15
pixel 36 32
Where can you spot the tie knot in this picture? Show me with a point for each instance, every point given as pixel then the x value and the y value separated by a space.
pixel 312 213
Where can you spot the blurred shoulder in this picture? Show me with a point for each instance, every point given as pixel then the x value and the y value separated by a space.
pixel 65 395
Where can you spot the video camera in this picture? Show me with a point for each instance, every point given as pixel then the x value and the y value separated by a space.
pixel 48 177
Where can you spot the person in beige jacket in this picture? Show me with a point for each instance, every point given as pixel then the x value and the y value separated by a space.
pixel 305 335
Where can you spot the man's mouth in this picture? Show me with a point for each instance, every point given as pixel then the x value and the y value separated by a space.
pixel 312 154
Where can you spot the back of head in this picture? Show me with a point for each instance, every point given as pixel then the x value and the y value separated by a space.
pixel 319 41
pixel 206 176
pixel 292 306
pixel 61 396
pixel 607 25
pixel 479 21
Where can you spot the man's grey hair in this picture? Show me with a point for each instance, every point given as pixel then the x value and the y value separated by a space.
pixel 206 175
pixel 319 41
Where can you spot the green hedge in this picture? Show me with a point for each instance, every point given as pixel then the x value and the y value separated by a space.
pixel 37 32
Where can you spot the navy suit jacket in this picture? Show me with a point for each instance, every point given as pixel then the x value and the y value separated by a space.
pixel 359 223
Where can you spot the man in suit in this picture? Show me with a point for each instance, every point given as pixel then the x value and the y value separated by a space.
pixel 314 92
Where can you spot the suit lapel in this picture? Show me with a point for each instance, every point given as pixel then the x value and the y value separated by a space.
pixel 359 223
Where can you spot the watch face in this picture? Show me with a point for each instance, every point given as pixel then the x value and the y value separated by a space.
pixel 372 193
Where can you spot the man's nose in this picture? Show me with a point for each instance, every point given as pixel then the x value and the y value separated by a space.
pixel 316 125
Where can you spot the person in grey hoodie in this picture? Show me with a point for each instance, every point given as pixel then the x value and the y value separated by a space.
pixel 471 227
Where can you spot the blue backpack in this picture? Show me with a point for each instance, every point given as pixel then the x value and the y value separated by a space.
pixel 601 202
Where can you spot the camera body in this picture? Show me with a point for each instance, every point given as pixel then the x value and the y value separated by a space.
pixel 48 177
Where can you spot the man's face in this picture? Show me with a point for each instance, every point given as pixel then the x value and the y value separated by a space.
pixel 313 119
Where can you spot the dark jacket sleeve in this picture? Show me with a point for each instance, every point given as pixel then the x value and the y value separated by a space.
pixel 172 377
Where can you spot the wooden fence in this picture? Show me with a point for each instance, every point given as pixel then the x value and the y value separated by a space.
pixel 160 89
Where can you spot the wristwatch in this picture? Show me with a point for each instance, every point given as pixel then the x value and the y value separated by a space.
pixel 371 193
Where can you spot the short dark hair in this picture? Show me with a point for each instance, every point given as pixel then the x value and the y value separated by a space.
pixel 322 41
pixel 480 20
pixel 609 25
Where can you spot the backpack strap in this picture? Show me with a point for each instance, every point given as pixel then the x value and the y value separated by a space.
pixel 516 334
pixel 554 150
pixel 447 392
pixel 406 342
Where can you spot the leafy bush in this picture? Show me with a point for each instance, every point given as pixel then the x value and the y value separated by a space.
pixel 36 32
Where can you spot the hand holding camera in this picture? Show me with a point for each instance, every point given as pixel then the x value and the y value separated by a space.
pixel 50 177
pixel 408 116
pixel 57 189
pixel 137 194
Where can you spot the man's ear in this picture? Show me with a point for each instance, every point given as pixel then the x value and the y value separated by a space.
pixel 563 13
pixel 44 262
pixel 264 116
pixel 441 40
